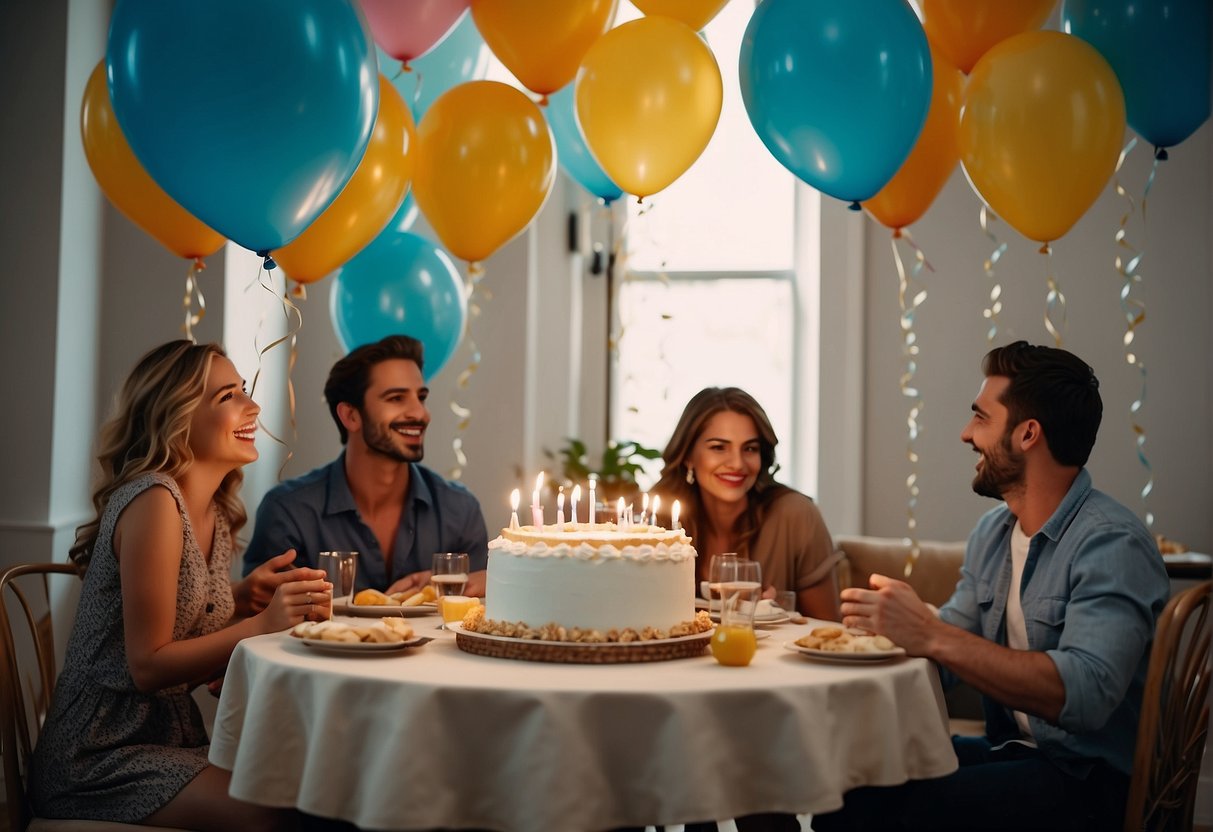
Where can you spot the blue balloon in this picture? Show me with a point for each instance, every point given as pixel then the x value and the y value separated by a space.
pixel 401 284
pixel 571 150
pixel 837 91
pixel 406 214
pixel 252 115
pixel 460 56
pixel 1160 52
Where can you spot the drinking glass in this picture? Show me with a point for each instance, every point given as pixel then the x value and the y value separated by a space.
pixel 340 569
pixel 449 577
pixel 734 642
pixel 717 567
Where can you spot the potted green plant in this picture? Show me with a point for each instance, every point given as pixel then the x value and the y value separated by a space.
pixel 615 471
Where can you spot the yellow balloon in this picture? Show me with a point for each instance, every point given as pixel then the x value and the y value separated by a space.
pixel 964 30
pixel 694 13
pixel 129 186
pixel 1041 130
pixel 921 177
pixel 367 201
pixel 486 163
pixel 542 41
pixel 648 99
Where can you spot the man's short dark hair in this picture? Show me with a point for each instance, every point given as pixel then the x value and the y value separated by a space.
pixel 349 378
pixel 1054 387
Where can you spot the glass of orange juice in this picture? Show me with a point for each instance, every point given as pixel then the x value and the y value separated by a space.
pixel 734 643
pixel 455 607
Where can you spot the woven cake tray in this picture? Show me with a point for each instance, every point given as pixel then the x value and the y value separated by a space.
pixel 564 652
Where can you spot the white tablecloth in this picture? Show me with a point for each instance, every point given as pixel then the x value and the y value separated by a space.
pixel 435 737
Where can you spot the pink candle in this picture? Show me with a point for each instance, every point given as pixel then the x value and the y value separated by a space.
pixel 560 507
pixel 573 507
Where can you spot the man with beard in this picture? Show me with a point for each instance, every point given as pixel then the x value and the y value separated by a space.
pixel 375 498
pixel 1052 620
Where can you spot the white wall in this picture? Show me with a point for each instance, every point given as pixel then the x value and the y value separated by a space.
pixel 1175 341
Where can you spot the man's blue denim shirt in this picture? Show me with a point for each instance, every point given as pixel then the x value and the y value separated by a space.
pixel 1093 586
pixel 316 513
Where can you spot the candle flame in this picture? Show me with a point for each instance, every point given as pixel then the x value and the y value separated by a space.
pixel 539 483
pixel 674 512
pixel 576 493
pixel 656 503
pixel 560 499
pixel 515 496
pixel 644 504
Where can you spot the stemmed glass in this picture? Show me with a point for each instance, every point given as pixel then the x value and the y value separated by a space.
pixel 716 569
pixel 450 578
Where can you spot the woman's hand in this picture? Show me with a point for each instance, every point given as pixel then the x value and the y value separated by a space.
pixel 297 600
pixel 769 593
pixel 253 594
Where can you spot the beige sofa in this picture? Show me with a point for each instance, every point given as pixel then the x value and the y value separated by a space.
pixel 933 575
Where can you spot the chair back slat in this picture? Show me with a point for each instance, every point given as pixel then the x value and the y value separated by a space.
pixel 27 673
pixel 1174 717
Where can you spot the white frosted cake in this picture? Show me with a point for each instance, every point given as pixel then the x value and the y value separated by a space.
pixel 608 583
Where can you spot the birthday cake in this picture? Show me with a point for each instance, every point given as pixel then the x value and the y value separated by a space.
pixel 590 583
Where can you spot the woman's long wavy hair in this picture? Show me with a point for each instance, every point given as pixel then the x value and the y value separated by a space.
pixel 149 432
pixel 673 484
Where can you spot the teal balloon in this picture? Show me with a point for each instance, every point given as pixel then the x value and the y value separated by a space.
pixel 251 115
pixel 571 150
pixel 1160 52
pixel 837 91
pixel 406 215
pixel 461 56
pixel 400 284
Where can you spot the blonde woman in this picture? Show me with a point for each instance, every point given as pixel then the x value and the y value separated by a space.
pixel 720 464
pixel 158 614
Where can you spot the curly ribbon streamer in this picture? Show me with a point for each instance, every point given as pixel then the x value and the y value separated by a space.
pixel 910 296
pixel 1055 300
pixel 290 311
pixel 473 289
pixel 991 312
pixel 193 288
pixel 1133 309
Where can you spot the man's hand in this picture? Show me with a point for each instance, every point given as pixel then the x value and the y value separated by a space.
pixel 476 584
pixel 890 608
pixel 417 580
pixel 253 594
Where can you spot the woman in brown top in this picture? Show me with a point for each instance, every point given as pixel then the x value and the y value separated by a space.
pixel 720 465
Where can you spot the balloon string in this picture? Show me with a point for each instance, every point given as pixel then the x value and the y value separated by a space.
pixel 1055 300
pixel 193 288
pixel 294 322
pixel 992 311
pixel 1134 311
pixel 910 296
pixel 472 289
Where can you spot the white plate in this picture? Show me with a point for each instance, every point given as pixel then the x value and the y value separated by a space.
pixel 380 610
pixel 760 621
pixel 363 646
pixel 845 658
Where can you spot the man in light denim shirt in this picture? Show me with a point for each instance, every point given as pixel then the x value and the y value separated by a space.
pixel 1052 620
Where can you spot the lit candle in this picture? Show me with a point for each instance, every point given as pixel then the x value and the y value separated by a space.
pixel 619 512
pixel 515 496
pixel 536 506
pixel 644 508
pixel 573 508
pixel 656 503
pixel 593 500
pixel 674 515
pixel 560 507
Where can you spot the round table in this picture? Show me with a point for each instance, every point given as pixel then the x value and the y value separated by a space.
pixel 435 737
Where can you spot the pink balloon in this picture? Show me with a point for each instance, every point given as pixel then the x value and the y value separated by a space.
pixel 407 29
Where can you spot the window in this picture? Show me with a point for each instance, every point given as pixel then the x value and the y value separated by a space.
pixel 709 296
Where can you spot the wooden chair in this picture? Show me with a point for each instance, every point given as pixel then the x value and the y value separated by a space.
pixel 1174 717
pixel 27 679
